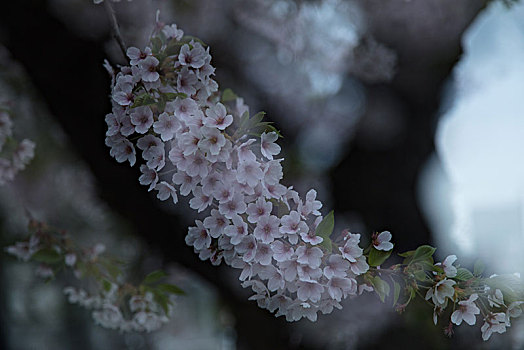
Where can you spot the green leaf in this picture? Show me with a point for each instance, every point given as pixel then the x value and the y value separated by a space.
pixel 437 269
pixel 282 209
pixel 406 254
pixel 106 285
pixel 156 45
pixel 396 292
pixel 377 257
pixel 463 274
pixel 422 253
pixel 478 268
pixel 271 128
pixel 47 255
pixel 327 243
pixel 162 36
pixel 154 276
pixel 263 127
pixel 143 100
pixel 420 275
pixel 228 95
pixel 244 119
pixel 173 48
pixel 113 270
pixel 412 294
pixel 170 288
pixel 381 288
pixel 162 300
pixel 254 120
pixel 325 228
pixel 188 38
pixel 172 95
pixel 511 287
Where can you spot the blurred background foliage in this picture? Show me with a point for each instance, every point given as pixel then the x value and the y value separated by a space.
pixel 405 115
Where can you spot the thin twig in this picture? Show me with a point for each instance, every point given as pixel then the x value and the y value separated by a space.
pixel 116 30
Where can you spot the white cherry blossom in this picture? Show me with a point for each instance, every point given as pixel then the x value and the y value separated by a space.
pixel 382 241
pixel 267 229
pixel 440 291
pixel 466 311
pixel 268 147
pixel 447 265
pixel 217 117
pixel 259 209
pixel 493 323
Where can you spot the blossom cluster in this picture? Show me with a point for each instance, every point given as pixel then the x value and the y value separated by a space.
pixel 147 314
pixel 467 292
pixel 196 142
pixel 114 303
pixel 14 155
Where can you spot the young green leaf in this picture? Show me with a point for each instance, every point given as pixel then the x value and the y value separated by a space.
pixel 170 288
pixel 154 276
pixel 173 48
pixel 478 268
pixel 228 95
pixel 161 299
pixel 143 100
pixel 325 227
pixel 47 255
pixel 254 120
pixel 406 254
pixel 422 253
pixel 511 287
pixel 172 95
pixel 156 45
pixel 106 285
pixel 421 276
pixel 377 257
pixel 112 269
pixel 463 274
pixel 396 292
pixel 327 243
pixel 381 288
pixel 189 38
pixel 324 230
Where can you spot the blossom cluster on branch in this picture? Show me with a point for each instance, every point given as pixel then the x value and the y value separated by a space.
pixel 115 304
pixel 196 141
pixel 14 155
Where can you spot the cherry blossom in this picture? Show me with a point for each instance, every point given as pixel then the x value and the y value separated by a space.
pixel 447 265
pixel 382 241
pixel 268 147
pixel 466 311
pixel 440 291
pixel 493 323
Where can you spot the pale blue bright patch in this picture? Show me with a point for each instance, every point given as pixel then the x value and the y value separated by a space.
pixel 480 141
